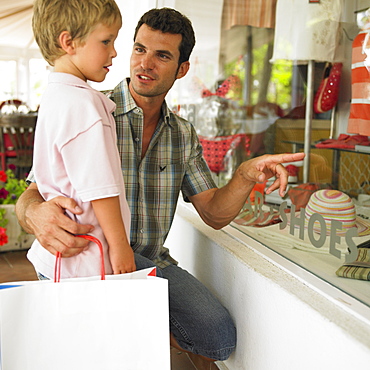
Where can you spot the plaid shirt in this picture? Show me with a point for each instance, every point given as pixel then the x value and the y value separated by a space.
pixel 173 162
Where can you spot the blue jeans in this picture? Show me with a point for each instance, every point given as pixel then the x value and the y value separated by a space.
pixel 198 321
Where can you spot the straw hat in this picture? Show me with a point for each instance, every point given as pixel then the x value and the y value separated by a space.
pixel 335 205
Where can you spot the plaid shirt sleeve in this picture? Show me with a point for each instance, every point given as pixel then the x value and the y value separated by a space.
pixel 198 177
pixel 30 178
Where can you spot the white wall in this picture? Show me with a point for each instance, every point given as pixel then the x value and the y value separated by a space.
pixel 282 323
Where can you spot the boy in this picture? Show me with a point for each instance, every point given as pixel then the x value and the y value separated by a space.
pixel 75 150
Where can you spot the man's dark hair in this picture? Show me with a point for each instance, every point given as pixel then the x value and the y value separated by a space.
pixel 170 20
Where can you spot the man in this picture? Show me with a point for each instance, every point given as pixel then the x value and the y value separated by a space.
pixel 161 156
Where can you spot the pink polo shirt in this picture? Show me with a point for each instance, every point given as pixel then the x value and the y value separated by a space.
pixel 75 155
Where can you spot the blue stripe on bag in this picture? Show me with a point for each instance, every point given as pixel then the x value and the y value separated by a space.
pixel 8 286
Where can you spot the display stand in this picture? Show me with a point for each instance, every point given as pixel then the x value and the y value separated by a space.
pixel 308 122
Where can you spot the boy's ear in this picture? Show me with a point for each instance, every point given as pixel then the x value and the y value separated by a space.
pixel 66 43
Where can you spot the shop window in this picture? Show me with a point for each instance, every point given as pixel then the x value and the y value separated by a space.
pixel 39 71
pixel 8 77
pixel 259 98
pixel 322 224
pixel 23 79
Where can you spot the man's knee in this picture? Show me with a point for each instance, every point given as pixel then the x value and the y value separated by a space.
pixel 145 263
pixel 214 338
pixel 220 339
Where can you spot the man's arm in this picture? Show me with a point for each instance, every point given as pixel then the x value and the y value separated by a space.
pixel 218 207
pixel 48 222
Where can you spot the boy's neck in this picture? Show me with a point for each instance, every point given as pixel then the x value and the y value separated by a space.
pixel 64 65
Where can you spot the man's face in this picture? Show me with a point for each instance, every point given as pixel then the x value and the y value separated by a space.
pixel 154 62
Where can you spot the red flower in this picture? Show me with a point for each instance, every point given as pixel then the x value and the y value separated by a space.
pixel 3 193
pixel 3 236
pixel 3 176
pixel 12 166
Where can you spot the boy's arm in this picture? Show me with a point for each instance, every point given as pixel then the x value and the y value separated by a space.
pixel 121 255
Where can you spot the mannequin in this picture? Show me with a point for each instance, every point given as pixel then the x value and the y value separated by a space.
pixel 359 118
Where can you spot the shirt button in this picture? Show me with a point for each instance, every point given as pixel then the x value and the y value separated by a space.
pixel 142 231
pixel 137 110
pixel 137 139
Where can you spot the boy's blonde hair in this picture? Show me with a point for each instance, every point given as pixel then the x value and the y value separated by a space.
pixel 78 17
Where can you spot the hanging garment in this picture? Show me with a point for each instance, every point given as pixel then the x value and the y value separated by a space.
pixel 359 117
pixel 248 13
pixel 308 31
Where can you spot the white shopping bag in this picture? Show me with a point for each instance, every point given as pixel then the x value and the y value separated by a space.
pixel 86 324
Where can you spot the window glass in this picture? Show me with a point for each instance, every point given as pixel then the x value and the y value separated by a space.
pixel 322 222
pixel 8 77
pixel 39 71
pixel 277 88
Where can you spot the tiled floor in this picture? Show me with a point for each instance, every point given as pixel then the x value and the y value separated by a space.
pixel 14 266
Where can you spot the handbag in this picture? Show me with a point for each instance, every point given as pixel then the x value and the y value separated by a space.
pixel 327 94
pixel 215 149
pixel 113 322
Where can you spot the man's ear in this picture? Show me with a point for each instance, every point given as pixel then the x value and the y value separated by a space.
pixel 66 43
pixel 183 70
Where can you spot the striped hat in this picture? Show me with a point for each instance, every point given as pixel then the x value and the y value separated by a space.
pixel 335 205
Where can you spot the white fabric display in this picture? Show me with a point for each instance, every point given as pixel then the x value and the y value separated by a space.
pixel 308 31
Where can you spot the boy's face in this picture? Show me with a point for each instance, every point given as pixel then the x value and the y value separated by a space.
pixel 154 62
pixel 93 58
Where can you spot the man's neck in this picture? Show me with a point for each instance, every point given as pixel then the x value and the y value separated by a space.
pixel 151 107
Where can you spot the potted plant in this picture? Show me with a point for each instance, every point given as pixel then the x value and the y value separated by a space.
pixel 12 236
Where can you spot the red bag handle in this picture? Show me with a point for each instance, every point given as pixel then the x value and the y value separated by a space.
pixel 58 260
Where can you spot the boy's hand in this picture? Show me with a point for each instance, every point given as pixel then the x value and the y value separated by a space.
pixel 122 260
